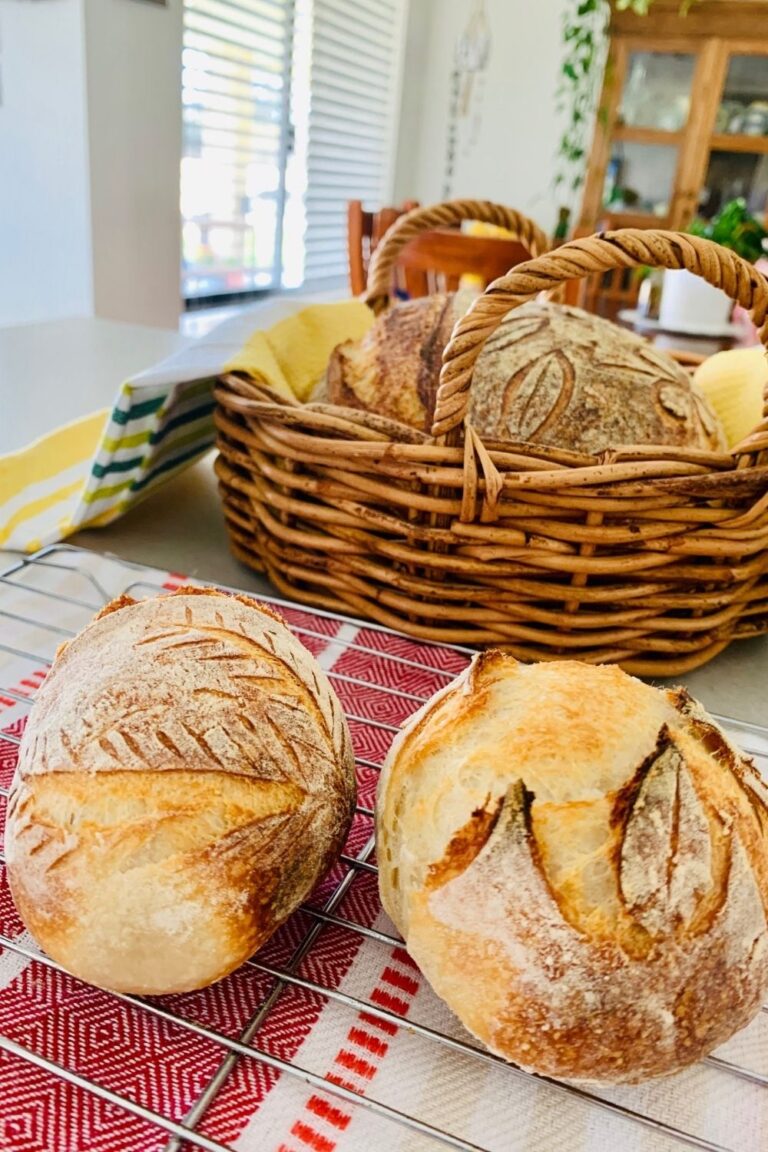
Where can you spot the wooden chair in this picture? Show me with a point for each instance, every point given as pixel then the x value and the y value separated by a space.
pixel 364 231
pixel 433 261
pixel 610 293
pixel 436 261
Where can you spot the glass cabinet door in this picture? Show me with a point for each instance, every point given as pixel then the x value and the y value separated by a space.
pixel 657 90
pixel 738 157
pixel 652 111
pixel 743 107
pixel 640 178
pixel 735 174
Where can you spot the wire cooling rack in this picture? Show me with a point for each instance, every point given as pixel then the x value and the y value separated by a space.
pixel 388 676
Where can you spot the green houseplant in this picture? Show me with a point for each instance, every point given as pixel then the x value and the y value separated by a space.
pixel 585 24
pixel 734 227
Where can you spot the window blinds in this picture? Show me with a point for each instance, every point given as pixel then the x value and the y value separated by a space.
pixel 356 48
pixel 260 76
pixel 235 92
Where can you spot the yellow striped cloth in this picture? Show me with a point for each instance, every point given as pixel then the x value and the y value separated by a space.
pixel 90 471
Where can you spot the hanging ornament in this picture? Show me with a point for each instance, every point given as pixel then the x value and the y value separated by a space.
pixel 473 51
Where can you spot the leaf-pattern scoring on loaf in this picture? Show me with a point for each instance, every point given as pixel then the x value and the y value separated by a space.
pixel 666 858
pixel 556 375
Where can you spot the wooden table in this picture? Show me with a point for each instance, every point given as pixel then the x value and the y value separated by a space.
pixel 678 342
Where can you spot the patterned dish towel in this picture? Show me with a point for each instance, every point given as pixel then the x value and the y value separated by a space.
pixel 92 470
pixel 329 1040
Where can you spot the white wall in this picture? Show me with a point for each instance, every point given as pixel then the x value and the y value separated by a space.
pixel 420 14
pixel 90 150
pixel 45 266
pixel 512 157
pixel 133 53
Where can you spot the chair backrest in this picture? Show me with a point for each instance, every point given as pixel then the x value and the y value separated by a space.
pixel 609 293
pixel 364 231
pixel 436 261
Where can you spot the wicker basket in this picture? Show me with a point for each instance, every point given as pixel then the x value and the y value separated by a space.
pixel 652 557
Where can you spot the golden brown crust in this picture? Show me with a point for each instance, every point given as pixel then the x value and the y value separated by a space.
pixel 579 864
pixel 464 846
pixel 395 369
pixel 185 778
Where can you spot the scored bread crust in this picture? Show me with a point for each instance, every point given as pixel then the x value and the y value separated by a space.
pixel 554 374
pixel 395 369
pixel 579 864
pixel 185 778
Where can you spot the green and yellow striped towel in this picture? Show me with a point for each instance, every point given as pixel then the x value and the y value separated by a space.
pixel 90 471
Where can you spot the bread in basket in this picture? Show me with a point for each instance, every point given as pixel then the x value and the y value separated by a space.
pixel 649 556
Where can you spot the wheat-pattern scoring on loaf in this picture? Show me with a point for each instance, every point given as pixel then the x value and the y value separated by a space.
pixel 185 778
pixel 579 864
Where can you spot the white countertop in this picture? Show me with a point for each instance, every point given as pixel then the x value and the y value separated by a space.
pixel 53 373
pixel 180 527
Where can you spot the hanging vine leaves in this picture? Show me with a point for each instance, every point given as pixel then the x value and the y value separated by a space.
pixel 584 37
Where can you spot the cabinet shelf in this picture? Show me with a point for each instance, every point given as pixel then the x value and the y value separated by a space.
pixel 738 142
pixel 635 135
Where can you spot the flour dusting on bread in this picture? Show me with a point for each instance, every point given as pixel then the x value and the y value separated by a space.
pixel 185 778
pixel 579 864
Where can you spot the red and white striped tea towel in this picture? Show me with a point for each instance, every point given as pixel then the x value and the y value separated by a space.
pixel 383 1036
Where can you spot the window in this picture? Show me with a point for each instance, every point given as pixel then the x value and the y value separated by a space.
pixel 235 98
pixel 289 110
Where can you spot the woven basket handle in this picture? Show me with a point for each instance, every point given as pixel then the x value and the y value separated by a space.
pixel 626 248
pixel 419 220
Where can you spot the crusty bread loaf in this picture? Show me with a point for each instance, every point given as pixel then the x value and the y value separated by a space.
pixel 556 375
pixel 550 374
pixel 395 369
pixel 579 864
pixel 185 778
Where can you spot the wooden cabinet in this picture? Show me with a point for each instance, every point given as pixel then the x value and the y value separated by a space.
pixel 683 121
